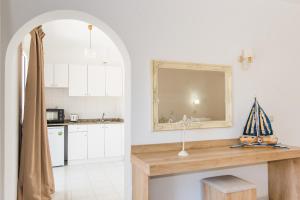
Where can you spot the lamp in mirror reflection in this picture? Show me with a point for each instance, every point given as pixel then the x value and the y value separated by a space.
pixel 194 98
pixel 196 101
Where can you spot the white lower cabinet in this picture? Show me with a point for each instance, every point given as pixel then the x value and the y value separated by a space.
pixel 95 141
pixel 113 140
pixel 77 145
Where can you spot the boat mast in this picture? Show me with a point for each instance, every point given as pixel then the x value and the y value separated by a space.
pixel 258 132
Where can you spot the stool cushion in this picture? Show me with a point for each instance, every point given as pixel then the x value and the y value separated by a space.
pixel 229 184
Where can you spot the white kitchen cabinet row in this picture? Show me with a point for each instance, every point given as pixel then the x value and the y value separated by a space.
pixel 85 80
pixel 94 80
pixel 95 141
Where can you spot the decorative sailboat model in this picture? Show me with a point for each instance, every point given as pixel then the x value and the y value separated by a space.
pixel 258 129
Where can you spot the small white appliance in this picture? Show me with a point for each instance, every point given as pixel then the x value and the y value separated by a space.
pixel 74 117
pixel 57 145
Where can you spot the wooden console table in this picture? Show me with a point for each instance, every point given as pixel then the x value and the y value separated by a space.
pixel 161 159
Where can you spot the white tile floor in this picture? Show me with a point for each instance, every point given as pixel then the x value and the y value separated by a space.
pixel 97 181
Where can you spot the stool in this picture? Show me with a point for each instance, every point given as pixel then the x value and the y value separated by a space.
pixel 228 188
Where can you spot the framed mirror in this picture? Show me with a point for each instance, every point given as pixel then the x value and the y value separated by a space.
pixel 202 92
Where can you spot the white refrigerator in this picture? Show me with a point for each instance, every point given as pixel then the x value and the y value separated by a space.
pixel 57 146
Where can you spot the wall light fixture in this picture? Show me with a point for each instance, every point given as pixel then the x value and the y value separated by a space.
pixel 246 56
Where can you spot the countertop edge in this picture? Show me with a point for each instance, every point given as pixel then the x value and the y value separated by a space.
pixel 84 123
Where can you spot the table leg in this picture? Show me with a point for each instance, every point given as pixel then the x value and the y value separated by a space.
pixel 284 179
pixel 140 184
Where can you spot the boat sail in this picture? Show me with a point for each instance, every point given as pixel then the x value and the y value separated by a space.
pixel 258 129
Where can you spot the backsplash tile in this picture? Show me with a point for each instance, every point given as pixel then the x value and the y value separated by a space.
pixel 85 107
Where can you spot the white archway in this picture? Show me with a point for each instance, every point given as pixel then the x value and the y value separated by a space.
pixel 11 108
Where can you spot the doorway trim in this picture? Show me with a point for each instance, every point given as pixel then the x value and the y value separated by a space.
pixel 11 107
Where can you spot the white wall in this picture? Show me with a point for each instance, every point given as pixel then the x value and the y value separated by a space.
pixel 1 106
pixel 85 107
pixel 205 31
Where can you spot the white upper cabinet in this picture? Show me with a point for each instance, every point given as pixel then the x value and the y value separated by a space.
pixel 114 81
pixel 78 80
pixel 56 75
pixel 96 80
pixel 61 75
pixel 96 135
pixel 48 75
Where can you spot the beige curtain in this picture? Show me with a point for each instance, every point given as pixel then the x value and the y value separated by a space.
pixel 35 177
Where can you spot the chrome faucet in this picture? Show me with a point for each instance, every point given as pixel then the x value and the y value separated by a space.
pixel 102 119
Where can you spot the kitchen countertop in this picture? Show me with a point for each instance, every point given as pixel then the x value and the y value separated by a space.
pixel 90 121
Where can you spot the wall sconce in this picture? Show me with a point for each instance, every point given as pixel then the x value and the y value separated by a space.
pixel 246 57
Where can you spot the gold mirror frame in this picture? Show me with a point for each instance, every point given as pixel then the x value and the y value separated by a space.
pixel 156 65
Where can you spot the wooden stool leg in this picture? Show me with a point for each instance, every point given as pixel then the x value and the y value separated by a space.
pixel 284 179
pixel 140 184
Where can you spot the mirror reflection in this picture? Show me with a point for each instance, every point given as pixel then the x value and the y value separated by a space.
pixel 198 94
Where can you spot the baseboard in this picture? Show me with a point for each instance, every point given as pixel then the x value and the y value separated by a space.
pixel 95 160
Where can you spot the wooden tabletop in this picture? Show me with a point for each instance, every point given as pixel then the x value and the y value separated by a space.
pixel 166 161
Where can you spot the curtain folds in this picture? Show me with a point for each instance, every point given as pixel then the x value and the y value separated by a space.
pixel 36 180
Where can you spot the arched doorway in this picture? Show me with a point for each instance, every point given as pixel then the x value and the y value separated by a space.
pixel 11 91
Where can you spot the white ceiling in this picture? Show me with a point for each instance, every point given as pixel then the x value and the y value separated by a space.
pixel 74 32
pixel 65 41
